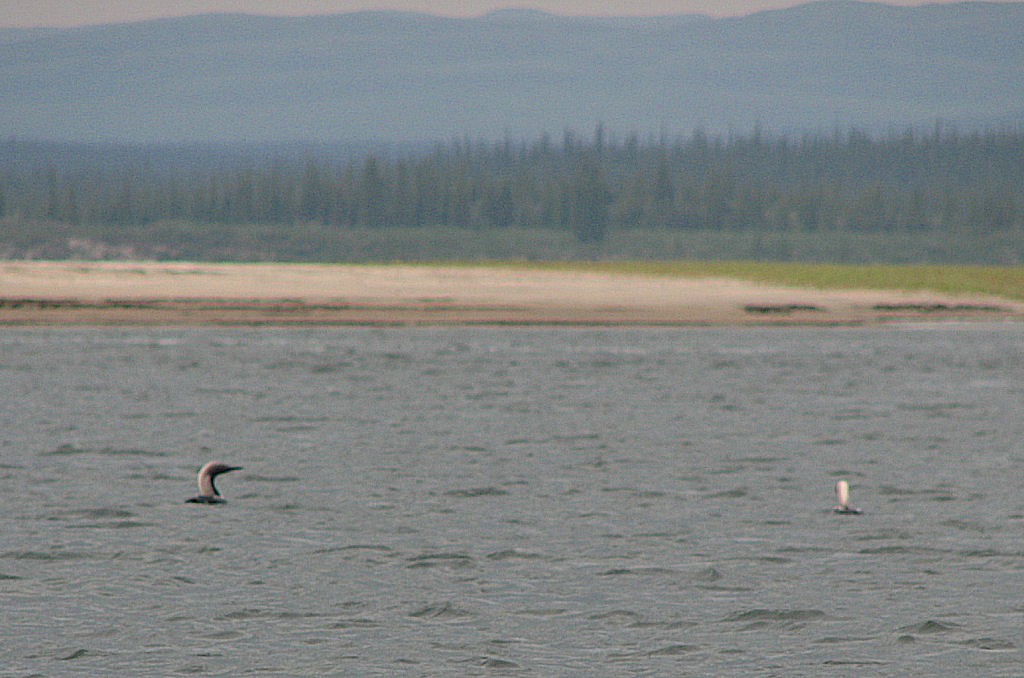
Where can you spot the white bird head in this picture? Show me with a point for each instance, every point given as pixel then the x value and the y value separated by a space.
pixel 843 494
pixel 843 497
pixel 208 493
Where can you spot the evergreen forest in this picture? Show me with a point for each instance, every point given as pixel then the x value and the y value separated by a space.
pixel 939 196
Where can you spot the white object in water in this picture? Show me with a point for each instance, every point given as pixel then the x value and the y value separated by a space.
pixel 208 493
pixel 843 497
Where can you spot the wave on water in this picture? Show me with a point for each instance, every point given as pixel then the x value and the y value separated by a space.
pixel 68 450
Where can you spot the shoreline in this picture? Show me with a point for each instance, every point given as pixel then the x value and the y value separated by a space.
pixel 84 293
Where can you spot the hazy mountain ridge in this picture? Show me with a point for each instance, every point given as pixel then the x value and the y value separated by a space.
pixel 396 76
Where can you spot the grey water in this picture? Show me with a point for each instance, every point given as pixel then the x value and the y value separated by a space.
pixel 473 501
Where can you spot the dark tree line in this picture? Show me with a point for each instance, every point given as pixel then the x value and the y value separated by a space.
pixel 941 181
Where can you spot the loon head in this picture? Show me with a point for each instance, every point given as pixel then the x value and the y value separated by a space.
pixel 843 499
pixel 208 493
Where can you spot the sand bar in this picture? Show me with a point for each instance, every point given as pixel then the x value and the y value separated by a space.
pixel 175 294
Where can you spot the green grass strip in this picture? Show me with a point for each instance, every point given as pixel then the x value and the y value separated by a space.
pixel 1000 281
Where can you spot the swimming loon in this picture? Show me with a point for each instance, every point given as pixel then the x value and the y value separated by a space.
pixel 208 493
pixel 843 497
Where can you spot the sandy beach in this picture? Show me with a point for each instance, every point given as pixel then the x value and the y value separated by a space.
pixel 177 294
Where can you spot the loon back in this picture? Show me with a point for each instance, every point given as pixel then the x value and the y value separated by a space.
pixel 205 500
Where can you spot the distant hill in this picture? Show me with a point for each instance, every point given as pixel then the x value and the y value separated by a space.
pixel 387 76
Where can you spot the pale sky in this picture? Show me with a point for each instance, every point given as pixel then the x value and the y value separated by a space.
pixel 32 13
